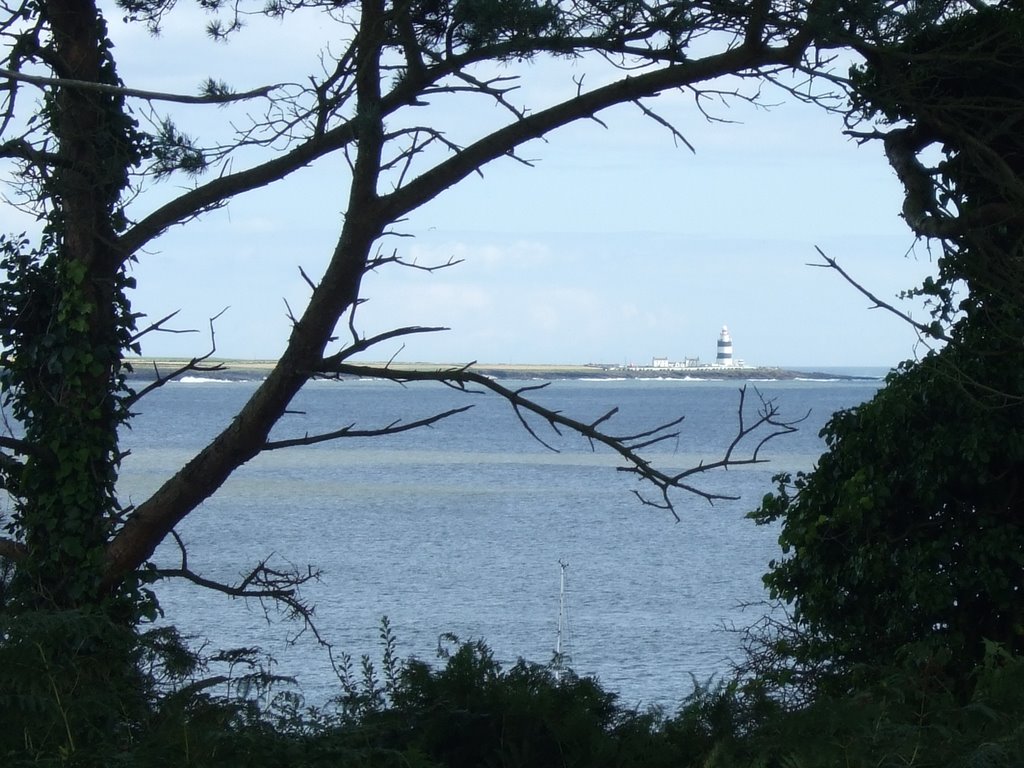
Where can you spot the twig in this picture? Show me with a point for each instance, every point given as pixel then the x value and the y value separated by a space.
pixel 159 326
pixel 328 364
pixel 394 428
pixel 932 331
pixel 261 583
pixel 195 364
pixel 676 133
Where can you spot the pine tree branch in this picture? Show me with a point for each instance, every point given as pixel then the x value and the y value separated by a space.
pixel 138 93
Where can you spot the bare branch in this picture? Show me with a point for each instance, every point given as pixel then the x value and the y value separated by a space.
pixel 649 432
pixel 24 447
pixel 216 192
pixel 533 126
pixel 328 364
pixel 933 331
pixel 500 143
pixel 263 583
pixel 12 550
pixel 626 447
pixel 187 691
pixel 767 415
pixel 394 258
pixel 526 424
pixel 195 364
pixel 159 326
pixel 602 419
pixel 394 428
pixel 178 98
pixel 676 134
pixel 307 279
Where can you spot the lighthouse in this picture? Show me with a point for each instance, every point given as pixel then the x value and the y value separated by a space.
pixel 724 357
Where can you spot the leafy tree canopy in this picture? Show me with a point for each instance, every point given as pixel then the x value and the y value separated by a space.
pixel 909 531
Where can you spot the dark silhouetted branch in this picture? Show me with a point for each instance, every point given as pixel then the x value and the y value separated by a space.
pixel 24 447
pixel 627 447
pixel 193 365
pixel 394 428
pixel 12 550
pixel 361 344
pixel 160 326
pixel 261 583
pixel 138 93
pixel 933 331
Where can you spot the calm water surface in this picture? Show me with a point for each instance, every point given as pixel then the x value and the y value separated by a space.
pixel 459 527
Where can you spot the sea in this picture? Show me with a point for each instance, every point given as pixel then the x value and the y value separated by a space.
pixel 459 528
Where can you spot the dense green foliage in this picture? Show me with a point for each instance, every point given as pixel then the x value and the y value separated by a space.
pixel 908 530
pixel 68 689
pixel 909 533
pixel 469 711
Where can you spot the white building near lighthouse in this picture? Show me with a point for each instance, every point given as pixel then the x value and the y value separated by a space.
pixel 724 357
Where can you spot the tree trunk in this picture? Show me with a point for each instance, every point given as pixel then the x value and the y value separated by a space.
pixel 71 385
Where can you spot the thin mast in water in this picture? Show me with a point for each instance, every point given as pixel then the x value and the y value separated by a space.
pixel 563 659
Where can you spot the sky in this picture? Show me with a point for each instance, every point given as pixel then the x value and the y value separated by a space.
pixel 617 246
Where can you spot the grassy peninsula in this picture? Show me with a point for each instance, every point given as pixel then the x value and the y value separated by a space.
pixel 252 369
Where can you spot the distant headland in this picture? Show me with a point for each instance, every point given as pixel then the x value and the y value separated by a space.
pixel 147 368
pixel 724 368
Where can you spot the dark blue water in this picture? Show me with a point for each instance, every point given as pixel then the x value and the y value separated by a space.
pixel 459 527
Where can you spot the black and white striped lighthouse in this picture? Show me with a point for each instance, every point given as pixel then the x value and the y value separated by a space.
pixel 724 348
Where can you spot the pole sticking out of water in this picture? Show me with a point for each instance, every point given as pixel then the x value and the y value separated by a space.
pixel 562 660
